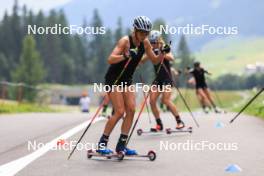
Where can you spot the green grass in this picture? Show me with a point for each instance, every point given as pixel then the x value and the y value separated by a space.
pixel 225 99
pixel 62 86
pixel 256 108
pixel 11 107
pixel 231 55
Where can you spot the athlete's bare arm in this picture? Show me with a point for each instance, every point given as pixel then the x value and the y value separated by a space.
pixel 150 54
pixel 169 56
pixel 208 73
pixel 118 52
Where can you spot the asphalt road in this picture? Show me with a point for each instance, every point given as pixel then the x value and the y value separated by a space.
pixel 178 154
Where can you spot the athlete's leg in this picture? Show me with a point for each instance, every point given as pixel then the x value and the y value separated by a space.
pixel 153 104
pixel 167 101
pixel 202 102
pixel 208 94
pixel 201 93
pixel 119 106
pixel 130 105
pixel 209 97
pixel 119 109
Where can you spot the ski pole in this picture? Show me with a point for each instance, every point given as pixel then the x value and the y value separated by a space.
pixel 147 106
pixel 217 96
pixel 232 120
pixel 183 99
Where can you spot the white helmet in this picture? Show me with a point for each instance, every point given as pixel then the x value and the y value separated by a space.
pixel 142 23
pixel 154 36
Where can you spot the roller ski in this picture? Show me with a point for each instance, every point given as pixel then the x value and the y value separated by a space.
pixel 121 147
pixel 108 154
pixel 182 130
pixel 166 131
pixel 141 131
pixel 151 155
pixel 206 109
pixel 219 111
pixel 158 129
pixel 216 110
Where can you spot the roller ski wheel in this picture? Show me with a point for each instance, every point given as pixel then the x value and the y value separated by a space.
pixel 89 154
pixel 152 155
pixel 190 130
pixel 139 132
pixel 120 155
pixel 168 131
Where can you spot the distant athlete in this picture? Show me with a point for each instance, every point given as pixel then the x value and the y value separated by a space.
pixel 202 90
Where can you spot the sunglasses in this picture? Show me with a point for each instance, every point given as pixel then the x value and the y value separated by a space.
pixel 143 32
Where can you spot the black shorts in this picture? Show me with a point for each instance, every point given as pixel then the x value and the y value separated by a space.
pixel 110 84
pixel 201 86
pixel 161 83
pixel 123 83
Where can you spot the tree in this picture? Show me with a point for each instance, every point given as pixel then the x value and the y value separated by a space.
pixel 17 31
pixel 185 57
pixel 119 29
pixel 68 69
pixel 6 42
pixel 251 81
pixel 98 50
pixel 84 56
pixel 156 26
pixel 4 67
pixel 30 69
pixel 52 51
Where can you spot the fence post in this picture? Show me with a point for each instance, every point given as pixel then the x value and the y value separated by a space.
pixel 20 93
pixel 4 90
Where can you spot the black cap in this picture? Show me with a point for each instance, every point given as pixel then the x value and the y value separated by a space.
pixel 196 64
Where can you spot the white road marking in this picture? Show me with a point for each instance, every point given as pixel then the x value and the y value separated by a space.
pixel 13 167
